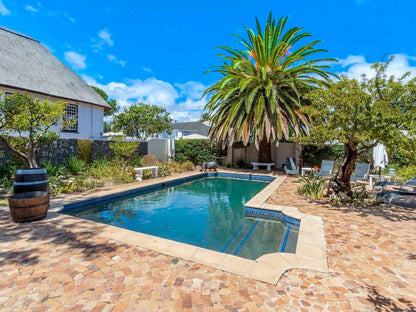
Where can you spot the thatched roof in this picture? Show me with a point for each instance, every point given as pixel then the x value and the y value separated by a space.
pixel 27 65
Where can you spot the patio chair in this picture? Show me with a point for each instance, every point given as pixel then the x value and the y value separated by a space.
pixel 361 172
pixel 404 196
pixel 382 185
pixel 291 167
pixel 326 168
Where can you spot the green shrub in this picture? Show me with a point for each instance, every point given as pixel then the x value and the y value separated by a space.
pixel 124 150
pixel 149 160
pixel 52 169
pixel 177 167
pixel 188 166
pixel 85 150
pixel 407 172
pixel 313 154
pixel 136 161
pixel 312 186
pixel 196 151
pixel 164 171
pixel 101 163
pixel 7 176
pixel 76 166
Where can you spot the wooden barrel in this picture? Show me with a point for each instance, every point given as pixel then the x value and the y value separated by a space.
pixel 31 206
pixel 31 180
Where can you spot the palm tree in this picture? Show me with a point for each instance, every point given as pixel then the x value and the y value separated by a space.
pixel 262 88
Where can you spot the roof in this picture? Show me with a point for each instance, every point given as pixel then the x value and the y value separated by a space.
pixel 27 65
pixel 197 127
pixel 195 136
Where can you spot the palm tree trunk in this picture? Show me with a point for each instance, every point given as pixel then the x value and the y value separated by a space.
pixel 265 151
pixel 340 182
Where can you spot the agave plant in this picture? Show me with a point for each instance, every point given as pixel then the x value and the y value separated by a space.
pixel 312 186
pixel 262 87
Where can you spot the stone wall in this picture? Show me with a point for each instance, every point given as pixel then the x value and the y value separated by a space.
pixel 60 150
pixel 5 154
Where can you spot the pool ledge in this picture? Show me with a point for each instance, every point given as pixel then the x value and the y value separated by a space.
pixel 311 252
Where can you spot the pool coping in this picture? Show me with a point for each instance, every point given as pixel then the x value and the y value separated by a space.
pixel 311 250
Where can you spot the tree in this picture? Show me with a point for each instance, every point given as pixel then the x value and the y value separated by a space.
pixel 143 119
pixel 262 88
pixel 204 117
pixel 361 114
pixel 113 103
pixel 123 150
pixel 31 121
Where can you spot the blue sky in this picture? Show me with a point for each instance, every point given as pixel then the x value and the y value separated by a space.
pixel 157 51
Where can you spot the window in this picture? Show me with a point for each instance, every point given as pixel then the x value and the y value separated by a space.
pixel 71 116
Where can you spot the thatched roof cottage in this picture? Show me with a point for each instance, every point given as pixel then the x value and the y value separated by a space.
pixel 28 67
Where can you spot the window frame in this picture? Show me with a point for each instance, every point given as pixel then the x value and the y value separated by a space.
pixel 65 117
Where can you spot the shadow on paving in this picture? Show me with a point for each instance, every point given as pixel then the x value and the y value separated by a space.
pixel 25 236
pixel 390 213
pixel 383 304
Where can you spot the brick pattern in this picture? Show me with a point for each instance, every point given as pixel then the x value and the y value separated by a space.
pixel 48 266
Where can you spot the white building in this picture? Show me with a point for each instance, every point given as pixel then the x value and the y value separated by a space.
pixel 182 130
pixel 28 67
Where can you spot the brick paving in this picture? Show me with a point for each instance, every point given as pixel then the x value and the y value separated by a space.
pixel 47 266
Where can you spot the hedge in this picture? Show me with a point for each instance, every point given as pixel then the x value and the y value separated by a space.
pixel 196 151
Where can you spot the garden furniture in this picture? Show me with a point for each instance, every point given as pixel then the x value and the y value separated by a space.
pixel 291 167
pixel 361 172
pixel 257 164
pixel 382 178
pixel 307 169
pixel 139 172
pixel 326 168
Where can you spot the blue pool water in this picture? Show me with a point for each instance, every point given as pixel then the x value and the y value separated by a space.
pixel 207 212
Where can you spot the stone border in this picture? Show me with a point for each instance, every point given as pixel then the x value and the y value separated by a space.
pixel 310 253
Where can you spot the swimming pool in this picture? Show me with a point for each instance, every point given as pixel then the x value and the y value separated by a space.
pixel 206 211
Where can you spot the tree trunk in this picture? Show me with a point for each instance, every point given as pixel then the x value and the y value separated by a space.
pixel 30 161
pixel 340 182
pixel 265 151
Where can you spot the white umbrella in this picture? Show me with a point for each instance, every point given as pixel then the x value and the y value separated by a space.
pixel 380 157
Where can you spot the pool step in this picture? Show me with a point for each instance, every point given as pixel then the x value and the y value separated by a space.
pixel 234 236
pixel 245 238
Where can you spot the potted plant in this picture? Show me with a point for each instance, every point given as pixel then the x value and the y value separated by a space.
pixel 26 124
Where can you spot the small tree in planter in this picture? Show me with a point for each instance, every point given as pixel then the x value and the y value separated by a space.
pixel 25 124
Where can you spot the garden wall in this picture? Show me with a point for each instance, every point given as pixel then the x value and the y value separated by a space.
pixel 239 154
pixel 101 149
pixel 60 150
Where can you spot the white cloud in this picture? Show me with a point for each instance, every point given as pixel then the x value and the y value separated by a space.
pixel 356 65
pixel 105 35
pixel 183 102
pixel 76 60
pixel 192 89
pixel 113 59
pixel 147 69
pixel 104 38
pixel 3 10
pixel 30 8
pixel 59 14
pixel 40 9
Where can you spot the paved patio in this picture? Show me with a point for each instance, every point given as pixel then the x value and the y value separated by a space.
pixel 48 266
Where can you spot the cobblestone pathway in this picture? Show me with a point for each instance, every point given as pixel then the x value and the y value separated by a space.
pixel 46 266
